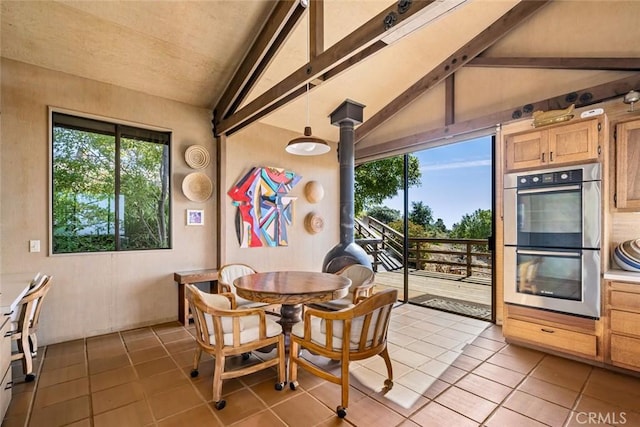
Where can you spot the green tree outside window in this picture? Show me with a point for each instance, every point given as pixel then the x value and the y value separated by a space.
pixel 110 186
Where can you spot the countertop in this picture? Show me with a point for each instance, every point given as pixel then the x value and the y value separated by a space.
pixel 626 276
pixel 12 288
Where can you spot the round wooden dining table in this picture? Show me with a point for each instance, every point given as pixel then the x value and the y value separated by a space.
pixel 292 289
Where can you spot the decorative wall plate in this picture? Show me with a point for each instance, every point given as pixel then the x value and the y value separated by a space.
pixel 197 157
pixel 197 187
pixel 313 191
pixel 314 223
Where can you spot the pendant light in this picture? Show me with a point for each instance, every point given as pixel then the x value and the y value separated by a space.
pixel 307 145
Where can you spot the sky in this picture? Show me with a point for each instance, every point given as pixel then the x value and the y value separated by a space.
pixel 456 180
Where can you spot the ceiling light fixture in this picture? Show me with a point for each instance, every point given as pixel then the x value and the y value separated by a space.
pixel 307 145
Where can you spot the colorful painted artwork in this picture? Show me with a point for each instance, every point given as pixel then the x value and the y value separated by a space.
pixel 264 209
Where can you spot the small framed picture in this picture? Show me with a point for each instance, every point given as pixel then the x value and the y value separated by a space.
pixel 195 217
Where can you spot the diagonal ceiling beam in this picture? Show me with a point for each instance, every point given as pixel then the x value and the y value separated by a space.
pixel 360 39
pixel 613 64
pixel 462 56
pixel 274 33
pixel 581 98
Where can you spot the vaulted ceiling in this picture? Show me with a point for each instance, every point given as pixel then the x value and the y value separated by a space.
pixel 438 69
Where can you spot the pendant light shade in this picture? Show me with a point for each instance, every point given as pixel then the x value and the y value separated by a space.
pixel 307 145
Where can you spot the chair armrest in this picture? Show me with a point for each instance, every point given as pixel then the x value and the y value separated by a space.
pixel 362 292
pixel 223 288
pixel 232 299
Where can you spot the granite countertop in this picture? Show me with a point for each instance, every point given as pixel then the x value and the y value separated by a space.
pixel 618 274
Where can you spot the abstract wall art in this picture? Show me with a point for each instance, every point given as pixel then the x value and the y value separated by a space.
pixel 264 209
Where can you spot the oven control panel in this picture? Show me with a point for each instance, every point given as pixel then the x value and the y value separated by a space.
pixel 550 178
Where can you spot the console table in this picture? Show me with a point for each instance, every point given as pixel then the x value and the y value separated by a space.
pixel 191 277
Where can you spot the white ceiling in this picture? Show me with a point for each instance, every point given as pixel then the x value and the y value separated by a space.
pixel 188 51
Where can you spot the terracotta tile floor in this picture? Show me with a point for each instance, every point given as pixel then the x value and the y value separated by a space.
pixel 449 371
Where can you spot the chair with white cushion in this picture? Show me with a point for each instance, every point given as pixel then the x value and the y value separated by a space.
pixel 362 279
pixel 24 323
pixel 355 333
pixel 223 331
pixel 230 272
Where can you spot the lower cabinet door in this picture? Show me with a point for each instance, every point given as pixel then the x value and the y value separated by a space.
pixel 547 336
pixel 5 392
pixel 625 351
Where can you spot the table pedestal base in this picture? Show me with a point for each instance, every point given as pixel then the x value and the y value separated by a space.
pixel 290 314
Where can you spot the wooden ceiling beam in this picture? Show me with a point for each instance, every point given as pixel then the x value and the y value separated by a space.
pixel 581 98
pixel 449 100
pixel 316 28
pixel 612 64
pixel 494 32
pixel 361 38
pixel 274 33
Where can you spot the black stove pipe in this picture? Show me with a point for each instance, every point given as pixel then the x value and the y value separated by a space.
pixel 347 252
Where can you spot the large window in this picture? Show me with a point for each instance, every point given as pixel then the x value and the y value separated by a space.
pixel 111 187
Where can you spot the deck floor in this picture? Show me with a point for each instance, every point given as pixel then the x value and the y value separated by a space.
pixel 473 289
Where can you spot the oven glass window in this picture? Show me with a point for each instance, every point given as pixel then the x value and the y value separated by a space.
pixel 553 276
pixel 550 219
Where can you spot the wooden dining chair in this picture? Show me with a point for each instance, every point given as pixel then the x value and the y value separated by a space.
pixel 362 281
pixel 230 272
pixel 355 333
pixel 24 324
pixel 224 331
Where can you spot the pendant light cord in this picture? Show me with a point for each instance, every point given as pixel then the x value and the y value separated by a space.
pixel 308 58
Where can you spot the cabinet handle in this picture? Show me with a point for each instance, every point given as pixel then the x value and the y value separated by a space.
pixel 9 385
pixel 549 331
pixel 551 156
pixel 542 157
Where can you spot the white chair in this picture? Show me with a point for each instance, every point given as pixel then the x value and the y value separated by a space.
pixel 227 274
pixel 230 272
pixel 354 333
pixel 224 331
pixel 362 281
pixel 24 323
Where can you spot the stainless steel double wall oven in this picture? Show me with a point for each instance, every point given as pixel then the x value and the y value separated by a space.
pixel 552 229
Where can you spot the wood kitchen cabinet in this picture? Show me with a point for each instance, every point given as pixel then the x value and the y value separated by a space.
pixel 553 331
pixel 623 333
pixel 553 146
pixel 5 365
pixel 627 161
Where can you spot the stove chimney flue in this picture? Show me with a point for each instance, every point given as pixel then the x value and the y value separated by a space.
pixel 347 252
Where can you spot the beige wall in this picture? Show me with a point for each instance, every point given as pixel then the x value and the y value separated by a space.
pixel 93 293
pixel 263 145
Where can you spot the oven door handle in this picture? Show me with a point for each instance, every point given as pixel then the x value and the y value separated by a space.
pixel 548 253
pixel 550 189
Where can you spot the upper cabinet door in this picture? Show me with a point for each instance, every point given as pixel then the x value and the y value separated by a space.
pixel 554 146
pixel 526 150
pixel 573 143
pixel 628 165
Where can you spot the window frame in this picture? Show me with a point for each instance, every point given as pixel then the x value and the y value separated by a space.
pixel 116 124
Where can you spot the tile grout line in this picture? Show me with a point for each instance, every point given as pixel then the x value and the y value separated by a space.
pixel 197 391
pixel 513 390
pixel 36 388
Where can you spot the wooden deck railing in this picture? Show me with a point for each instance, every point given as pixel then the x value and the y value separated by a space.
pixel 460 256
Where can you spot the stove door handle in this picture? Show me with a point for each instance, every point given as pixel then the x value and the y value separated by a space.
pixel 550 189
pixel 548 253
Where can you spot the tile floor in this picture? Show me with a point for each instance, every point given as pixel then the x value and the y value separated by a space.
pixel 449 371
